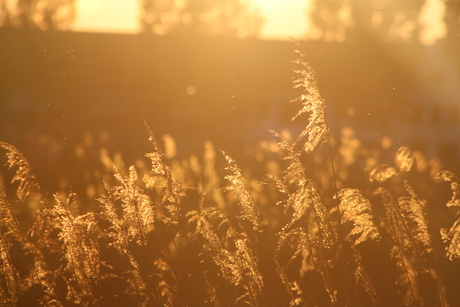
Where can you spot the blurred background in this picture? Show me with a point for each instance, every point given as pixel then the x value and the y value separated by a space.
pixel 79 77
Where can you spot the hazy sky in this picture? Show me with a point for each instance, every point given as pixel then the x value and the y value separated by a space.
pixel 283 18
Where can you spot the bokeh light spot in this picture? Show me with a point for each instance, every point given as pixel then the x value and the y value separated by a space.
pixel 190 90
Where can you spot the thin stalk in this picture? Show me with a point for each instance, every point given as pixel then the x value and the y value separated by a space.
pixel 340 234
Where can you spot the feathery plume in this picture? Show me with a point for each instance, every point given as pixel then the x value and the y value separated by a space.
pixel 119 234
pixel 239 187
pixel 9 224
pixel 405 159
pixel 81 250
pixel 304 198
pixel 382 173
pixel 405 251
pixel 220 255
pixel 161 176
pixel 316 131
pixel 451 236
pixel 357 209
pixel 414 207
pixel 448 176
pixel 9 233
pixel 24 175
pixel 138 214
pixel 232 253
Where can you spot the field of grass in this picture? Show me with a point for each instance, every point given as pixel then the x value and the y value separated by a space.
pixel 314 221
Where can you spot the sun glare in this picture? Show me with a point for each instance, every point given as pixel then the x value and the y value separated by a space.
pixel 107 16
pixel 431 18
pixel 282 19
pixel 201 158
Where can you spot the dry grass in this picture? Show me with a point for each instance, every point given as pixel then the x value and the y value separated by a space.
pixel 173 235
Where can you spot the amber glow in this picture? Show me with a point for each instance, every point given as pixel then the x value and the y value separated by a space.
pixel 283 19
pixel 179 153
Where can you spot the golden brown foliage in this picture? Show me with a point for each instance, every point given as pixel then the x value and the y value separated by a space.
pixel 239 187
pixel 24 175
pixel 155 240
pixel 451 236
pixel 315 133
pixel 357 209
pixel 78 238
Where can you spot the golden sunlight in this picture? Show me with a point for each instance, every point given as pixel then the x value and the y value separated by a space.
pixel 431 18
pixel 107 16
pixel 187 153
pixel 283 19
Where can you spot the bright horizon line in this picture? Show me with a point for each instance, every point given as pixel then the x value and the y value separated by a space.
pixel 282 20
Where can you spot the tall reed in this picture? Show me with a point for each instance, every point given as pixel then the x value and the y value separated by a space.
pixel 177 234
